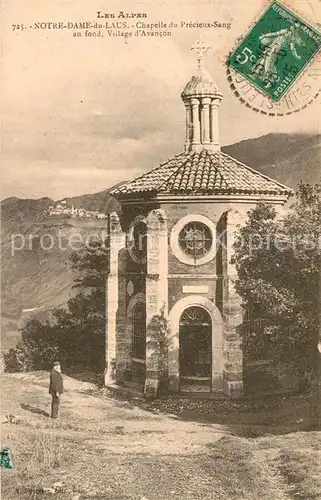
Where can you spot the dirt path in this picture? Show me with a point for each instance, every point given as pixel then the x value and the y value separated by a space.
pixel 103 448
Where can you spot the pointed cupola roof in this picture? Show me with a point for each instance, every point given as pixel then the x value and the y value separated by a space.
pixel 201 84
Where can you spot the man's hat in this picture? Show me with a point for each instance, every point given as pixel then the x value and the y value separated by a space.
pixel 56 363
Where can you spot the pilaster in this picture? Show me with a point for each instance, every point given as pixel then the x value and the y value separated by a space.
pixel 214 132
pixel 123 337
pixel 116 244
pixel 206 120
pixel 196 122
pixel 188 125
pixel 156 297
pixel 233 314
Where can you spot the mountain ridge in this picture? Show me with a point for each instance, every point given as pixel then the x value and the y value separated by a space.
pixel 34 279
pixel 261 153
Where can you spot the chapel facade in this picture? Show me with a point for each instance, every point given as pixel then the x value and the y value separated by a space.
pixel 171 309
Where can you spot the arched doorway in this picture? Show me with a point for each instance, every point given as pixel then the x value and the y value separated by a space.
pixel 195 349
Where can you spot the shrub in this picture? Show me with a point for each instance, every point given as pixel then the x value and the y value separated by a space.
pixel 30 354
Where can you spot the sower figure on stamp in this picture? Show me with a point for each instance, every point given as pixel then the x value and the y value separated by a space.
pixel 276 44
pixel 56 388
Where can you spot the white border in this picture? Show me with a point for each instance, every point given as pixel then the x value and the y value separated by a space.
pixel 178 252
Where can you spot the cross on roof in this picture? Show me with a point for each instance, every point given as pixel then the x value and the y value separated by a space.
pixel 200 47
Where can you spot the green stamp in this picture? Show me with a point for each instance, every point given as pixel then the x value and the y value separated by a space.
pixel 276 50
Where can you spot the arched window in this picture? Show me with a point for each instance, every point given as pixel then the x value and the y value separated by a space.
pixel 137 240
pixel 196 316
pixel 140 239
pixel 139 331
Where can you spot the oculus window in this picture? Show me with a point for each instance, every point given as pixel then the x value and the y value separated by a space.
pixel 195 239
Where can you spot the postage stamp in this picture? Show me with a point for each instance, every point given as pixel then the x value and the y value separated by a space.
pixel 303 93
pixel 275 51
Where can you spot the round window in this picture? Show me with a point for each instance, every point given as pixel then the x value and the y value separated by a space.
pixel 195 239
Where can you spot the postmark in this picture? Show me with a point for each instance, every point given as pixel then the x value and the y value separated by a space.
pixel 303 92
pixel 274 54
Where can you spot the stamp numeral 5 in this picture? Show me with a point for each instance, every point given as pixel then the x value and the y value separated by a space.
pixel 245 55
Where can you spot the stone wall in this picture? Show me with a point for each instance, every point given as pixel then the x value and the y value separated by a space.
pixel 167 284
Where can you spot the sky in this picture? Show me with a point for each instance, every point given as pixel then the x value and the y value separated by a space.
pixel 80 115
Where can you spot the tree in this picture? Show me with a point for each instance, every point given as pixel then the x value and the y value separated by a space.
pixel 91 264
pixel 277 262
pixel 78 332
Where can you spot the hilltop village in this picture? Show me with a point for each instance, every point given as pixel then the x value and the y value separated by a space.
pixel 61 209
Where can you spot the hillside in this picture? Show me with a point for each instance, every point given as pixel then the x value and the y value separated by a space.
pixel 102 201
pixel 284 157
pixel 16 212
pixel 31 276
pixel 34 278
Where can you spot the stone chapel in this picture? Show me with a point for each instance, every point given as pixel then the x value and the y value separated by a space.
pixel 171 309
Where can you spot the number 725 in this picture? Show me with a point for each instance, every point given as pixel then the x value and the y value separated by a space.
pixel 18 27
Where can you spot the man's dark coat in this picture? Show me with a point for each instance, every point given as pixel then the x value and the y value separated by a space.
pixel 56 383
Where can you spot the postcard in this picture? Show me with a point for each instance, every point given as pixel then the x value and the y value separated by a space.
pixel 160 250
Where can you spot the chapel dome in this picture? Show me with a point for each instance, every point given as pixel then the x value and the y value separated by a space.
pixel 201 85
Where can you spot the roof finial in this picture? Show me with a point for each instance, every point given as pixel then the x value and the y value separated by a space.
pixel 200 47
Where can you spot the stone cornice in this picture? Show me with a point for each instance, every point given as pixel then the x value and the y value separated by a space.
pixel 238 198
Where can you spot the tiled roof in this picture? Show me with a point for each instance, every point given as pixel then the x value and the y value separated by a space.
pixel 202 173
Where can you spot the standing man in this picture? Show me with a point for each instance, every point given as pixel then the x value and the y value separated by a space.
pixel 56 388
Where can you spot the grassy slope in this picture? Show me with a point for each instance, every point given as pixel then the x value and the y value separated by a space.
pixel 111 449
